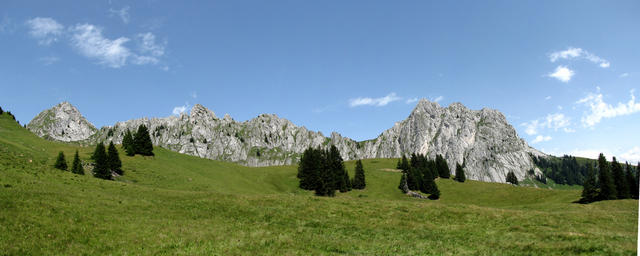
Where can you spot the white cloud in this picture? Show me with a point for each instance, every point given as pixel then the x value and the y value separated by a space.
pixel 598 109
pixel 557 121
pixel 624 75
pixel 547 98
pixel 90 42
pixel 46 30
pixel 531 128
pixel 412 100
pixel 540 138
pixel 383 101
pixel 572 53
pixel 438 99
pixel 632 155
pixel 150 50
pixel 562 73
pixel 122 13
pixel 551 121
pixel 180 109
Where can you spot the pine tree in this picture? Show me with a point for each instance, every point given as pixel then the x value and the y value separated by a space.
pixel 128 144
pixel 403 183
pixel 460 177
pixel 631 182
pixel 113 159
pixel 605 181
pixel 434 194
pixel 589 190
pixel 101 166
pixel 427 181
pixel 358 179
pixel 443 167
pixel 76 167
pixel 404 164
pixel 307 169
pixel 142 141
pixel 622 187
pixel 61 163
pixel 511 178
pixel 336 168
pixel 1 111
pixel 346 182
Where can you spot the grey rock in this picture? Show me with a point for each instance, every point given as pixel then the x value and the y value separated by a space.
pixel 63 122
pixel 481 139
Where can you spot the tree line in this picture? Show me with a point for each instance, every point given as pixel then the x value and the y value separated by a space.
pixel 107 161
pixel 610 181
pixel 323 172
pixel 419 173
pixel 562 170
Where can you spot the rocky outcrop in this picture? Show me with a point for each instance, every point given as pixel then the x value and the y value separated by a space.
pixel 63 122
pixel 481 139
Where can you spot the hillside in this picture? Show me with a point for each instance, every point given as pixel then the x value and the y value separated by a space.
pixel 179 204
pixel 482 139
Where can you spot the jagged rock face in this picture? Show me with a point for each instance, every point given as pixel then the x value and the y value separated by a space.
pixel 63 122
pixel 483 140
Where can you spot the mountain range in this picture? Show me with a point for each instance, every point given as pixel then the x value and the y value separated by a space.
pixel 482 140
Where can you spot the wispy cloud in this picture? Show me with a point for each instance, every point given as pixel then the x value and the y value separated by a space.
pixel 46 30
pixel 123 14
pixel 437 99
pixel 379 102
pixel 412 100
pixel 562 73
pixel 556 121
pixel 540 138
pixel 598 109
pixel 180 109
pixel 88 40
pixel 547 98
pixel 194 95
pixel 151 50
pixel 624 75
pixel 632 155
pixel 573 53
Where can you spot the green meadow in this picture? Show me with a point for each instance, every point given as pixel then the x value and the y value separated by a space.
pixel 175 204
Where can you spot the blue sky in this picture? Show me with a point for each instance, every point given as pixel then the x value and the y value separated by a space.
pixel 564 73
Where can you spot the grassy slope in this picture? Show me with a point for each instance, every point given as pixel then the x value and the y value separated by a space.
pixel 179 204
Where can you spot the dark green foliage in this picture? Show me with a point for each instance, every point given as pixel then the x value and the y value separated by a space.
pixel 142 141
pixel 511 178
pixel 323 171
pixel 345 184
pixel 631 182
pixel 443 167
pixel 310 168
pixel 605 181
pixel 101 163
pixel 113 159
pixel 590 187
pixel 76 167
pixel 11 115
pixel 460 177
pixel 358 179
pixel 619 179
pixel 435 192
pixel 403 164
pixel 1 111
pixel 128 144
pixel 403 183
pixel 563 170
pixel 61 163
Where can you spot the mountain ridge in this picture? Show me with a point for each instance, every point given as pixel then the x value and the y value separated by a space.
pixel 483 140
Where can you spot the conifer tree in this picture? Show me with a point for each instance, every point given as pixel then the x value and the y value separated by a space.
pixel 358 179
pixel 1 111
pixel 631 182
pixel 427 182
pixel 404 164
pixel 622 187
pixel 345 184
pixel 307 169
pixel 460 177
pixel 336 168
pixel 605 181
pixel 61 163
pixel 142 141
pixel 589 190
pixel 443 167
pixel 434 194
pixel 76 167
pixel 511 178
pixel 101 166
pixel 113 159
pixel 128 144
pixel 403 183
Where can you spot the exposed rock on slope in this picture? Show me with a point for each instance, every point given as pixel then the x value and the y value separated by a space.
pixel 63 122
pixel 482 139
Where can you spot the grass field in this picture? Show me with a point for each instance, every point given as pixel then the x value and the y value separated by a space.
pixel 176 204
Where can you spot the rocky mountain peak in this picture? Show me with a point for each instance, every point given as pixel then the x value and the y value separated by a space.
pixel 198 111
pixel 62 122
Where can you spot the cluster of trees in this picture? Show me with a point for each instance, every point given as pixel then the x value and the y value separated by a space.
pixel 612 181
pixel 107 161
pixel 511 178
pixel 323 171
pixel 8 113
pixel 562 170
pixel 140 143
pixel 420 173
pixel 76 166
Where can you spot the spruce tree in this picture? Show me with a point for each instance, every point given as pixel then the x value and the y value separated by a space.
pixel 404 164
pixel 403 183
pixel 434 194
pixel 345 185
pixel 605 181
pixel 113 159
pixel 622 187
pixel 589 190
pixel 336 168
pixel 61 163
pixel 306 170
pixel 427 182
pixel 142 141
pixel 128 144
pixel 101 165
pixel 358 179
pixel 443 167
pixel 76 167
pixel 460 177
pixel 631 182
pixel 1 111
